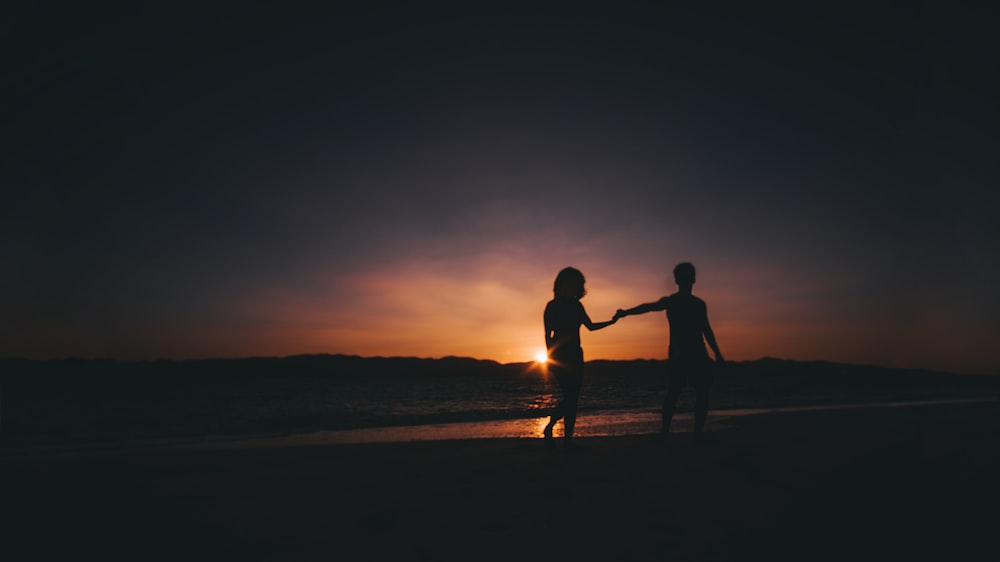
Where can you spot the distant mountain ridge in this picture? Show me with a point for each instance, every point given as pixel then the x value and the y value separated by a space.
pixel 343 364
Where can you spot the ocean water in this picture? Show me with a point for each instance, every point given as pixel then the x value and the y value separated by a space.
pixel 210 403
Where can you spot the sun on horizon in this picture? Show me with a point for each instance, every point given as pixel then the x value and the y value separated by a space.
pixel 541 356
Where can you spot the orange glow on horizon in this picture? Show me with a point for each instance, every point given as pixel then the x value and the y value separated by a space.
pixel 493 311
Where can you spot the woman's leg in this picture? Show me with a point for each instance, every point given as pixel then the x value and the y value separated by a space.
pixel 569 375
pixel 560 410
pixel 572 398
pixel 557 414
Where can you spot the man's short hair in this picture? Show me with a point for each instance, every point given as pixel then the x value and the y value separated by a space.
pixel 684 272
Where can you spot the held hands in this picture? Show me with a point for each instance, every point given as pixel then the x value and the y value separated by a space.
pixel 615 318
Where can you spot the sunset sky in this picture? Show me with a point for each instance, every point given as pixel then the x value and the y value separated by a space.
pixel 249 182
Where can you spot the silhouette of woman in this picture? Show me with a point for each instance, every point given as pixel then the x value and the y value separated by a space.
pixel 564 315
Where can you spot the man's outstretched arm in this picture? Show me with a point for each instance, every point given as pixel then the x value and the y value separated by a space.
pixel 642 308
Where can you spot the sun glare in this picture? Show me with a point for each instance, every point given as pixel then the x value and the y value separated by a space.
pixel 541 356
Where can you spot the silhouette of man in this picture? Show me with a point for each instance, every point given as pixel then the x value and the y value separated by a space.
pixel 688 362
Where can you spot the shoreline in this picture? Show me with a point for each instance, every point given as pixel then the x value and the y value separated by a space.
pixel 614 423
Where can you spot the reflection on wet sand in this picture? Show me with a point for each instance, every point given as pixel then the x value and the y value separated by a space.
pixel 604 423
pixel 608 423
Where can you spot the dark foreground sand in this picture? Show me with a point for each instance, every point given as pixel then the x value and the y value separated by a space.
pixel 869 484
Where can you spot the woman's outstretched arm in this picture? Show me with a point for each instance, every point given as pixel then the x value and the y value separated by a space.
pixel 596 325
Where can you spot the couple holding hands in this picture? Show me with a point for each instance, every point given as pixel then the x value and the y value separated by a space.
pixel 688 364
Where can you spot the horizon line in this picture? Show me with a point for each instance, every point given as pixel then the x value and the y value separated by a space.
pixel 463 357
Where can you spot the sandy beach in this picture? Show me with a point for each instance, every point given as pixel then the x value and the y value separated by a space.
pixel 896 483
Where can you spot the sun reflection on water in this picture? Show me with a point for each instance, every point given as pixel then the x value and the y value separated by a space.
pixel 543 402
